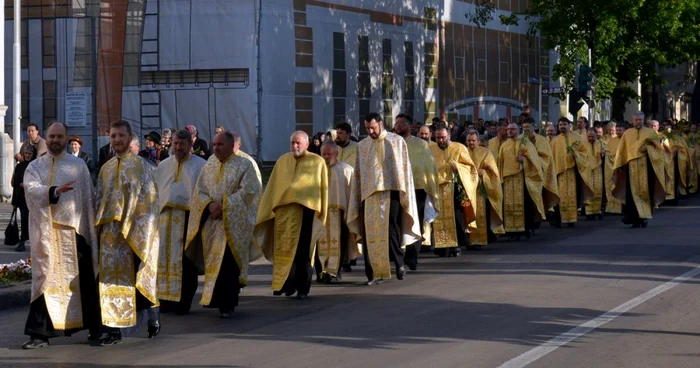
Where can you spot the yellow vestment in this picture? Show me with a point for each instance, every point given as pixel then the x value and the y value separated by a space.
pixel 570 154
pixel 348 154
pixel 128 221
pixel 54 228
pixel 424 178
pixel 489 197
pixel 517 177
pixel 550 190
pixel 495 145
pixel 594 205
pixel 613 204
pixel 176 181
pixel 629 159
pixel 382 166
pixel 295 184
pixel 445 226
pixel 330 241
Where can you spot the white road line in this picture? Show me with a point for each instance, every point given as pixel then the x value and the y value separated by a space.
pixel 576 332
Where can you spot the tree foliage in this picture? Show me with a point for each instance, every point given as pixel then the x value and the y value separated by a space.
pixel 629 39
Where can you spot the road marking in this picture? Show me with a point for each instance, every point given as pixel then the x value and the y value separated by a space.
pixel 532 355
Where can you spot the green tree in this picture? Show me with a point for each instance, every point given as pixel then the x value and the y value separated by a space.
pixel 629 39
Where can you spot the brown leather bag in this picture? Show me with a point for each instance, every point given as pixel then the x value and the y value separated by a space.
pixel 468 212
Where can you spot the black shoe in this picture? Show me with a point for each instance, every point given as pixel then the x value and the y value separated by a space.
pixel 302 296
pixel 555 224
pixel 277 293
pixel 290 292
pixel 226 313
pixel 21 247
pixel 644 224
pixel 571 224
pixel 374 282
pixel 347 268
pixel 319 278
pixel 36 343
pixel 412 266
pixel 327 278
pixel 635 226
pixel 112 339
pixel 401 272
pixel 153 328
pixel 514 238
pixel 94 335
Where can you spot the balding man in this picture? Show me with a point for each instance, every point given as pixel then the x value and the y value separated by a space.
pixel 222 215
pixel 336 245
pixel 291 216
pixel 425 134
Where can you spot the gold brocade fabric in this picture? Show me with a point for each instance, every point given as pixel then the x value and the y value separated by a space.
pixel 329 243
pixel 568 204
pixel 176 182
pixel 128 220
pixel 628 154
pixel 693 155
pixel 252 161
pixel 377 233
pixel 530 170
pixel 550 190
pixel 489 193
pixel 293 184
pixel 495 145
pixel 423 169
pixel 348 154
pixel 685 168
pixel 669 167
pixel 594 205
pixel 55 273
pixel 444 227
pixel 393 173
pixel 234 185
pixel 570 151
pixel 613 204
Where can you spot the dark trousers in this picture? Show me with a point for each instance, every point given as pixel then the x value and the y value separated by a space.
pixel 190 272
pixel 411 257
pixel 227 287
pixel 24 222
pixel 396 254
pixel 630 215
pixel 39 323
pixel 300 274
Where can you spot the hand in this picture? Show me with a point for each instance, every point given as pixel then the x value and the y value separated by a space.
pixel 215 211
pixel 519 158
pixel 454 166
pixel 643 149
pixel 67 187
pixel 481 172
pixel 18 157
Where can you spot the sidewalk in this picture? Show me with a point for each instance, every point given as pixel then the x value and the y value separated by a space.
pixel 8 254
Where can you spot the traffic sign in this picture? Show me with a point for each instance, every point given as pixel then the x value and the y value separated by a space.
pixel 534 80
pixel 553 90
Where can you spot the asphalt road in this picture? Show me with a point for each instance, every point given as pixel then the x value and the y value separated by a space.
pixel 533 302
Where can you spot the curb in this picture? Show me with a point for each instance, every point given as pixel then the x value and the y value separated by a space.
pixel 15 296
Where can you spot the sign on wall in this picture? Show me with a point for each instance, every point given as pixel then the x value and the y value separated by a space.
pixel 76 109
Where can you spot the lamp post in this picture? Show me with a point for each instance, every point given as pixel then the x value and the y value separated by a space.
pixel 16 76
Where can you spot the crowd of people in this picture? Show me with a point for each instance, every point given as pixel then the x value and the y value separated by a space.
pixel 111 257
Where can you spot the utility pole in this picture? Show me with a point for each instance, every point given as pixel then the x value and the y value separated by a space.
pixel 16 77
pixel 95 44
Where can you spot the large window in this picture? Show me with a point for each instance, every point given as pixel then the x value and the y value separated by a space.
pixel 50 110
pixel 339 77
pixel 387 83
pixel 48 35
pixel 409 80
pixel 364 83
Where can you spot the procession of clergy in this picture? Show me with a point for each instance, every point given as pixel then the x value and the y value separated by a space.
pixel 109 258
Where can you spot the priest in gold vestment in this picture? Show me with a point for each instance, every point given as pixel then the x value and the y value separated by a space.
pixel 502 135
pixel 639 175
pixel 292 215
pixel 489 194
pixel 59 195
pixel 523 181
pixel 677 164
pixel 457 185
pixel 219 231
pixel 337 244
pixel 127 221
pixel 347 149
pixel 613 205
pixel 550 188
pixel 424 181
pixel 593 208
pixel 383 211
pixel 176 177
pixel 571 157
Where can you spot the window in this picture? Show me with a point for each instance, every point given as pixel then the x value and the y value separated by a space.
pixel 504 72
pixel 339 77
pixel 24 118
pixel 409 79
pixel 481 70
pixel 49 43
pixel 387 71
pixel 364 85
pixel 24 39
pixel 239 77
pixel 50 110
pixel 83 53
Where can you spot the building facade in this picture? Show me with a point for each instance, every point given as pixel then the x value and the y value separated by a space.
pixel 267 68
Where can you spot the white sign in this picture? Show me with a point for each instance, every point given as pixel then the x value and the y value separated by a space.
pixel 76 109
